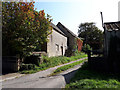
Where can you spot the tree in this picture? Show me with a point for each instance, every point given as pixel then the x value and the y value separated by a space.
pixel 23 28
pixel 91 35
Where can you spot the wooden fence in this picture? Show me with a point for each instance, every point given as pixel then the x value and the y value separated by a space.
pixel 10 64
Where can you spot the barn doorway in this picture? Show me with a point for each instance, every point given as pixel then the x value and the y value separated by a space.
pixel 62 50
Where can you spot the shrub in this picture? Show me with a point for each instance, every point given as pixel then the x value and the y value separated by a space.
pixel 27 67
pixel 86 47
pixel 77 53
pixel 69 52
pixel 32 60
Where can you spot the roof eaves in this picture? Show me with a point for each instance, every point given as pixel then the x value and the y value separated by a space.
pixel 112 26
pixel 68 30
pixel 57 29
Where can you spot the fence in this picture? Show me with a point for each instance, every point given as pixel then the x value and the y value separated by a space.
pixel 97 61
pixel 10 64
pixel 103 63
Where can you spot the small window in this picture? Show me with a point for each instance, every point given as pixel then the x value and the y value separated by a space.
pixel 57 47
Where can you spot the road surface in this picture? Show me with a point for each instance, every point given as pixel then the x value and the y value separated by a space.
pixel 42 80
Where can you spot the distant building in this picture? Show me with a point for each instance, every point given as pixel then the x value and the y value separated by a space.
pixel 57 43
pixel 72 39
pixel 60 40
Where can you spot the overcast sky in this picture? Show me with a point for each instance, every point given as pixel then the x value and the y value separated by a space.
pixel 73 12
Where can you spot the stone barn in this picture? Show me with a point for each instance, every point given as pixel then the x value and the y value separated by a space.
pixel 72 39
pixel 57 43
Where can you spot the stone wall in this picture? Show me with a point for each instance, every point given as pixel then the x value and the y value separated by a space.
pixel 57 44
pixel 71 39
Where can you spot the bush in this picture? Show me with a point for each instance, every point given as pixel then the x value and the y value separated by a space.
pixel 27 67
pixel 86 47
pixel 45 59
pixel 69 52
pixel 32 60
pixel 77 53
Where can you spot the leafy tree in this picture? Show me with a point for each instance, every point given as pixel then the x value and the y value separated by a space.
pixel 91 35
pixel 23 28
pixel 86 47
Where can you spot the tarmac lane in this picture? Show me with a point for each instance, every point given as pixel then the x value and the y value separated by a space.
pixel 47 82
pixel 42 79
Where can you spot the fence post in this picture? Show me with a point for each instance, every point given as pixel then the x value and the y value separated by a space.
pixel 89 57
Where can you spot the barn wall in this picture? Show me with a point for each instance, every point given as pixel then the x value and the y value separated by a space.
pixel 57 44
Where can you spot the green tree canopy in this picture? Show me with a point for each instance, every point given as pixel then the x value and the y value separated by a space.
pixel 91 35
pixel 23 28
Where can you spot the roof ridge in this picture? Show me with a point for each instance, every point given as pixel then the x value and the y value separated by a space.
pixel 56 28
pixel 67 29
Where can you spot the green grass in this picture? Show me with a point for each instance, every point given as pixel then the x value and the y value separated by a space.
pixel 63 68
pixel 53 61
pixel 86 78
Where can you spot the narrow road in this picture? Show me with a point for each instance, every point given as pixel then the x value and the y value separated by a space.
pixel 42 80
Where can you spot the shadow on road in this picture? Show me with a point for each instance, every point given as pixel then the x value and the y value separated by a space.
pixel 70 75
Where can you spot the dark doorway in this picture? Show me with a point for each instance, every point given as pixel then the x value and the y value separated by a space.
pixel 62 50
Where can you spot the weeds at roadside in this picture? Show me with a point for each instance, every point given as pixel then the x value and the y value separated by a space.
pixel 89 79
pixel 53 61
pixel 63 68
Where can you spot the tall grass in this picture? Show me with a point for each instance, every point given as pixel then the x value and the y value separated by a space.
pixel 86 78
pixel 63 68
pixel 54 61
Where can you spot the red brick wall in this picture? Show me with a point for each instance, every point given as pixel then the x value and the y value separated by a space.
pixel 79 43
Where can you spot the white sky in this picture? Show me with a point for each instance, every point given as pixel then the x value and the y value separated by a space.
pixel 73 12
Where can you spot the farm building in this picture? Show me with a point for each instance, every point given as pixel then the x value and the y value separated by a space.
pixel 110 59
pixel 72 39
pixel 60 40
pixel 112 45
pixel 57 43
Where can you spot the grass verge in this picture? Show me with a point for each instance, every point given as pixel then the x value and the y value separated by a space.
pixel 87 79
pixel 63 68
pixel 49 62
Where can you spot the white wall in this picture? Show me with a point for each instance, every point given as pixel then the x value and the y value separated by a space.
pixel 56 40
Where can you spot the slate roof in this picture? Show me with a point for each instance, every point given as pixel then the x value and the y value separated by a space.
pixel 57 29
pixel 110 26
pixel 67 29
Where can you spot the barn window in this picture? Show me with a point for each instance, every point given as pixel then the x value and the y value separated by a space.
pixel 57 47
